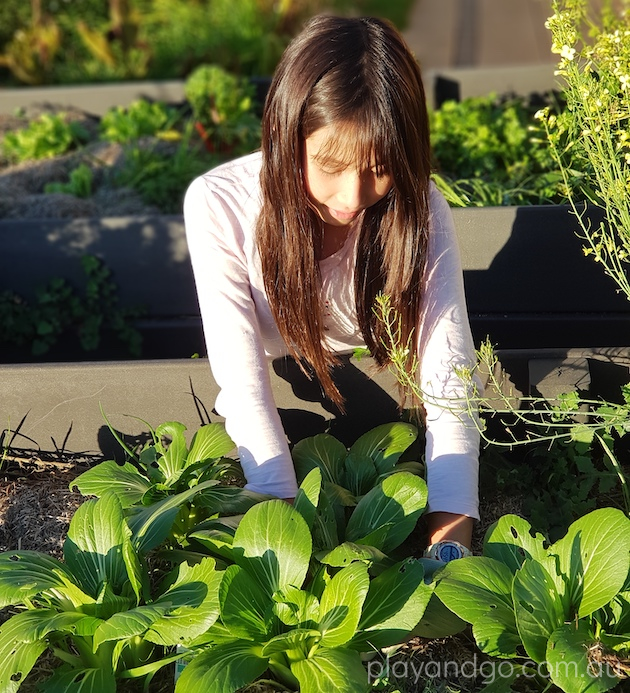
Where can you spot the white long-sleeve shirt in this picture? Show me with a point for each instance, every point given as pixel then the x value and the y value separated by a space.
pixel 220 212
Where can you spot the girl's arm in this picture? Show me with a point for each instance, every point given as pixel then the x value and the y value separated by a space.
pixel 216 240
pixel 452 450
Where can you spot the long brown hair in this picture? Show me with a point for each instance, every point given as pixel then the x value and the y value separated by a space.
pixel 354 72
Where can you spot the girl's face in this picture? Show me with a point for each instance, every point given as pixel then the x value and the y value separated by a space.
pixel 337 191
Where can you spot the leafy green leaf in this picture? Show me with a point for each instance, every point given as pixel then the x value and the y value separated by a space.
pixel 223 669
pixel 297 639
pixel 18 652
pixel 128 624
pixel 437 621
pixel 385 444
pixel 479 591
pixel 594 556
pixel 47 621
pixel 361 474
pixel 99 680
pixel 245 606
pixel 209 442
pixel 228 499
pixel 307 497
pixel 273 543
pixel 217 541
pixel 325 532
pixel 322 451
pixel 346 553
pixel 172 449
pixel 335 669
pixel 568 661
pixel 195 604
pixel 538 607
pixel 338 495
pixel 138 577
pixel 24 574
pixel 93 547
pixel 123 480
pixel 341 603
pixel 395 603
pixel 295 607
pixel 151 525
pixel 510 541
pixel 398 501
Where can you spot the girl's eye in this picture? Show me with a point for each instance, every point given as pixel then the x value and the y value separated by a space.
pixel 379 172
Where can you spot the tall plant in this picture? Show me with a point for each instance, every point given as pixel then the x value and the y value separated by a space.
pixel 594 132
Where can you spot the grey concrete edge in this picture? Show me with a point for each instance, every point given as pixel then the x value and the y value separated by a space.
pixel 95 99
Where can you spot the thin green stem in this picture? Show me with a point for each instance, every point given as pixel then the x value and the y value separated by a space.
pixel 617 468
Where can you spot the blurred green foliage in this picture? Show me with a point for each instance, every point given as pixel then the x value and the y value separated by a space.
pixel 108 40
pixel 491 151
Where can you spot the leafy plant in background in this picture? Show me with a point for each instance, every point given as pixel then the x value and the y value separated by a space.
pixel 44 138
pixel 490 151
pixel 571 460
pixel 307 629
pixel 79 185
pixel 162 178
pixel 59 307
pixel 141 118
pixel 222 106
pixel 562 611
pixel 570 476
pixel 561 428
pixel 166 39
pixel 118 46
pixel 96 611
pixel 31 52
pixel 246 38
pixel 596 130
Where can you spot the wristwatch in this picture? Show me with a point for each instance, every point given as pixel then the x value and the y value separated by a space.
pixel 446 551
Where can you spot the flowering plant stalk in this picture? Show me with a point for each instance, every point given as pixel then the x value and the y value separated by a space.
pixel 593 132
pixel 517 419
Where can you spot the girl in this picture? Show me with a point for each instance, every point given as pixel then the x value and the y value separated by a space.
pixel 290 246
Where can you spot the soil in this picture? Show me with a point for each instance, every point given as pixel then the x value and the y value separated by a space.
pixel 22 185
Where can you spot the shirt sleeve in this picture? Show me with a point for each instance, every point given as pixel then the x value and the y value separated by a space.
pixel 233 339
pixel 452 434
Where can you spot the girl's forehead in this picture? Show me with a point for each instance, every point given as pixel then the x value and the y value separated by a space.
pixel 344 145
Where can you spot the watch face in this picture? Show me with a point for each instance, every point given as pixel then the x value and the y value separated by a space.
pixel 449 552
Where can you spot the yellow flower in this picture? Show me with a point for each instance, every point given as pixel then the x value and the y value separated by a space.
pixel 567 52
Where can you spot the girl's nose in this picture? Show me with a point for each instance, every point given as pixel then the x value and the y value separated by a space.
pixel 351 192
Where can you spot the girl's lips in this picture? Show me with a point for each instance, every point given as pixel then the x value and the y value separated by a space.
pixel 343 216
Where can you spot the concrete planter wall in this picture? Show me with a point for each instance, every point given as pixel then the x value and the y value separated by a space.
pixel 96 99
pixel 528 282
pixel 458 83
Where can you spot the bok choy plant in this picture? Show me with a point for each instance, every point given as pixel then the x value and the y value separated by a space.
pixel 561 610
pixel 167 477
pixel 344 528
pixel 305 625
pixel 95 609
